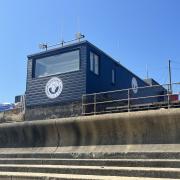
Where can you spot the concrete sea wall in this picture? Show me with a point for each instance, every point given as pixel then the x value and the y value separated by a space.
pixel 133 128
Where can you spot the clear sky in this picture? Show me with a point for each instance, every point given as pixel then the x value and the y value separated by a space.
pixel 135 32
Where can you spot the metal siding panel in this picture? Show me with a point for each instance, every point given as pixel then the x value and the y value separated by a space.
pixel 102 82
pixel 74 83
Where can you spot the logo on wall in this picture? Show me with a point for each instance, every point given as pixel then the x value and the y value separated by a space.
pixel 54 88
pixel 134 85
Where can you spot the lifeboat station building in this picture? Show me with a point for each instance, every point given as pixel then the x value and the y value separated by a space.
pixel 58 78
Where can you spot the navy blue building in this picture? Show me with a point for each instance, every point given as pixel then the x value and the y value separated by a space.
pixel 57 79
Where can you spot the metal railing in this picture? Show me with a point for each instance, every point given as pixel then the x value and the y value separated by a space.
pixel 132 99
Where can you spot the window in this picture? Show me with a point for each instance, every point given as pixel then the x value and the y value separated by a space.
pixel 94 63
pixel 113 76
pixel 57 64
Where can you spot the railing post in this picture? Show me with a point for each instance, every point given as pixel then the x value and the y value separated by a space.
pixel 82 105
pixel 129 100
pixel 23 105
pixel 94 103
pixel 168 100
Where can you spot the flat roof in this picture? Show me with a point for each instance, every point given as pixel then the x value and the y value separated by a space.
pixel 56 49
pixel 79 43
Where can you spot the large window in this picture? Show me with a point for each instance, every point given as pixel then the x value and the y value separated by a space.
pixel 94 63
pixel 57 64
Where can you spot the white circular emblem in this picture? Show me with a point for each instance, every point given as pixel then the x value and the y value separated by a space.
pixel 54 88
pixel 134 85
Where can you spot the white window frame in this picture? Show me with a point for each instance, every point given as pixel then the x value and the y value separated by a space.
pixel 94 63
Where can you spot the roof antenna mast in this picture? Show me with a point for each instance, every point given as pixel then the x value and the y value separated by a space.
pixel 79 36
pixel 147 72
pixel 170 76
pixel 62 39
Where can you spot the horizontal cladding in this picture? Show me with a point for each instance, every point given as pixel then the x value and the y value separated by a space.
pixel 71 90
pixel 37 102
pixel 103 82
pixel 65 91
pixel 68 79
pixel 66 88
pixel 74 84
pixel 62 96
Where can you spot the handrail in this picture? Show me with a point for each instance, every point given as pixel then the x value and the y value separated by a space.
pixel 141 87
pixel 166 97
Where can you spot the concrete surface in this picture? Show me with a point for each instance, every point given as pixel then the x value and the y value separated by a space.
pixel 53 111
pixel 95 170
pixel 169 163
pixel 135 128
pixel 46 176
pixel 137 144
pixel 11 116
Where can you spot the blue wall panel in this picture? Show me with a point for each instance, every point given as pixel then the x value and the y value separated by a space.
pixel 73 82
pixel 77 83
pixel 103 82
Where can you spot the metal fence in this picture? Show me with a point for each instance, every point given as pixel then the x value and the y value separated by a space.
pixel 132 99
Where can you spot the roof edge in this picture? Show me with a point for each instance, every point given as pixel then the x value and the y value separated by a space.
pixel 56 49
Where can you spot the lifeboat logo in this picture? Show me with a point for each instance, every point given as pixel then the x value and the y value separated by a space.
pixel 54 88
pixel 134 85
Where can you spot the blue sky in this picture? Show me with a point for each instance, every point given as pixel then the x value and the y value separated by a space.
pixel 135 32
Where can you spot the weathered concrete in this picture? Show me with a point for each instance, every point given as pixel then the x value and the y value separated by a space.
pixel 11 116
pixel 37 168
pixel 29 134
pixel 53 111
pixel 150 127
pixel 136 144
pixel 2 120
pixel 46 176
pixel 96 170
pixel 166 163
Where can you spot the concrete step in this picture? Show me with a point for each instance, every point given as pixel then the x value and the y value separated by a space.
pixel 95 170
pixel 170 163
pixel 116 155
pixel 46 176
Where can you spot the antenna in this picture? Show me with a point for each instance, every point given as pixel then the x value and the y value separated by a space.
pixel 43 46
pixel 118 48
pixel 62 39
pixel 170 77
pixel 79 36
pixel 147 72
pixel 78 23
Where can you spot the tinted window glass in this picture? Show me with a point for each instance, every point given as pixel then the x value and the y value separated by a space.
pixel 113 76
pixel 94 63
pixel 57 64
pixel 91 61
